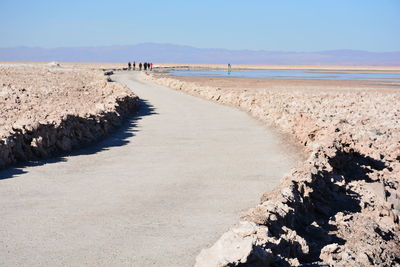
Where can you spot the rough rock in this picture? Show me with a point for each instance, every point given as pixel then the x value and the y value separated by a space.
pixel 47 111
pixel 235 247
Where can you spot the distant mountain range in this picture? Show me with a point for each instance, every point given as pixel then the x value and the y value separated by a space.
pixel 170 53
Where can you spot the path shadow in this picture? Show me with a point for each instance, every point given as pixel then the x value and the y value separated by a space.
pixel 117 137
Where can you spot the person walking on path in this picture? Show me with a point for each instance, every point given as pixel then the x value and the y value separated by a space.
pixel 134 65
pixel 140 66
pixel 145 66
pixel 151 66
pixel 129 65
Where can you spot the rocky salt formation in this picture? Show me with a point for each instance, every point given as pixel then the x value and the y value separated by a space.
pixel 341 206
pixel 45 111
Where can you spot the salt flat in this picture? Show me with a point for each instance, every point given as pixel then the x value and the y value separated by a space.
pixel 347 187
pixel 187 169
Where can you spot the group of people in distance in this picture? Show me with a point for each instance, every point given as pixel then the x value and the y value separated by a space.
pixel 145 66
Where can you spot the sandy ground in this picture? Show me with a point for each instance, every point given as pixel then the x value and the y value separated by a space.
pixel 187 168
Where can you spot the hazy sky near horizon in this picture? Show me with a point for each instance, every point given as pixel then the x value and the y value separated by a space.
pixel 308 25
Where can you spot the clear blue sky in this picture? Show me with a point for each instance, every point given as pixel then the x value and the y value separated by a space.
pixel 308 25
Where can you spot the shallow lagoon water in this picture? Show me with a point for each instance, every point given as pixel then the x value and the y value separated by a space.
pixel 288 74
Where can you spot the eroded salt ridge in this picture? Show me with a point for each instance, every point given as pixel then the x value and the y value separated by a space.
pixel 46 111
pixel 339 207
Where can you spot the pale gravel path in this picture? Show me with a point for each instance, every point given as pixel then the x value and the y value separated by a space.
pixel 174 188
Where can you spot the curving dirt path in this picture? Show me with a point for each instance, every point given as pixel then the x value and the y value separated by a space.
pixel 155 193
